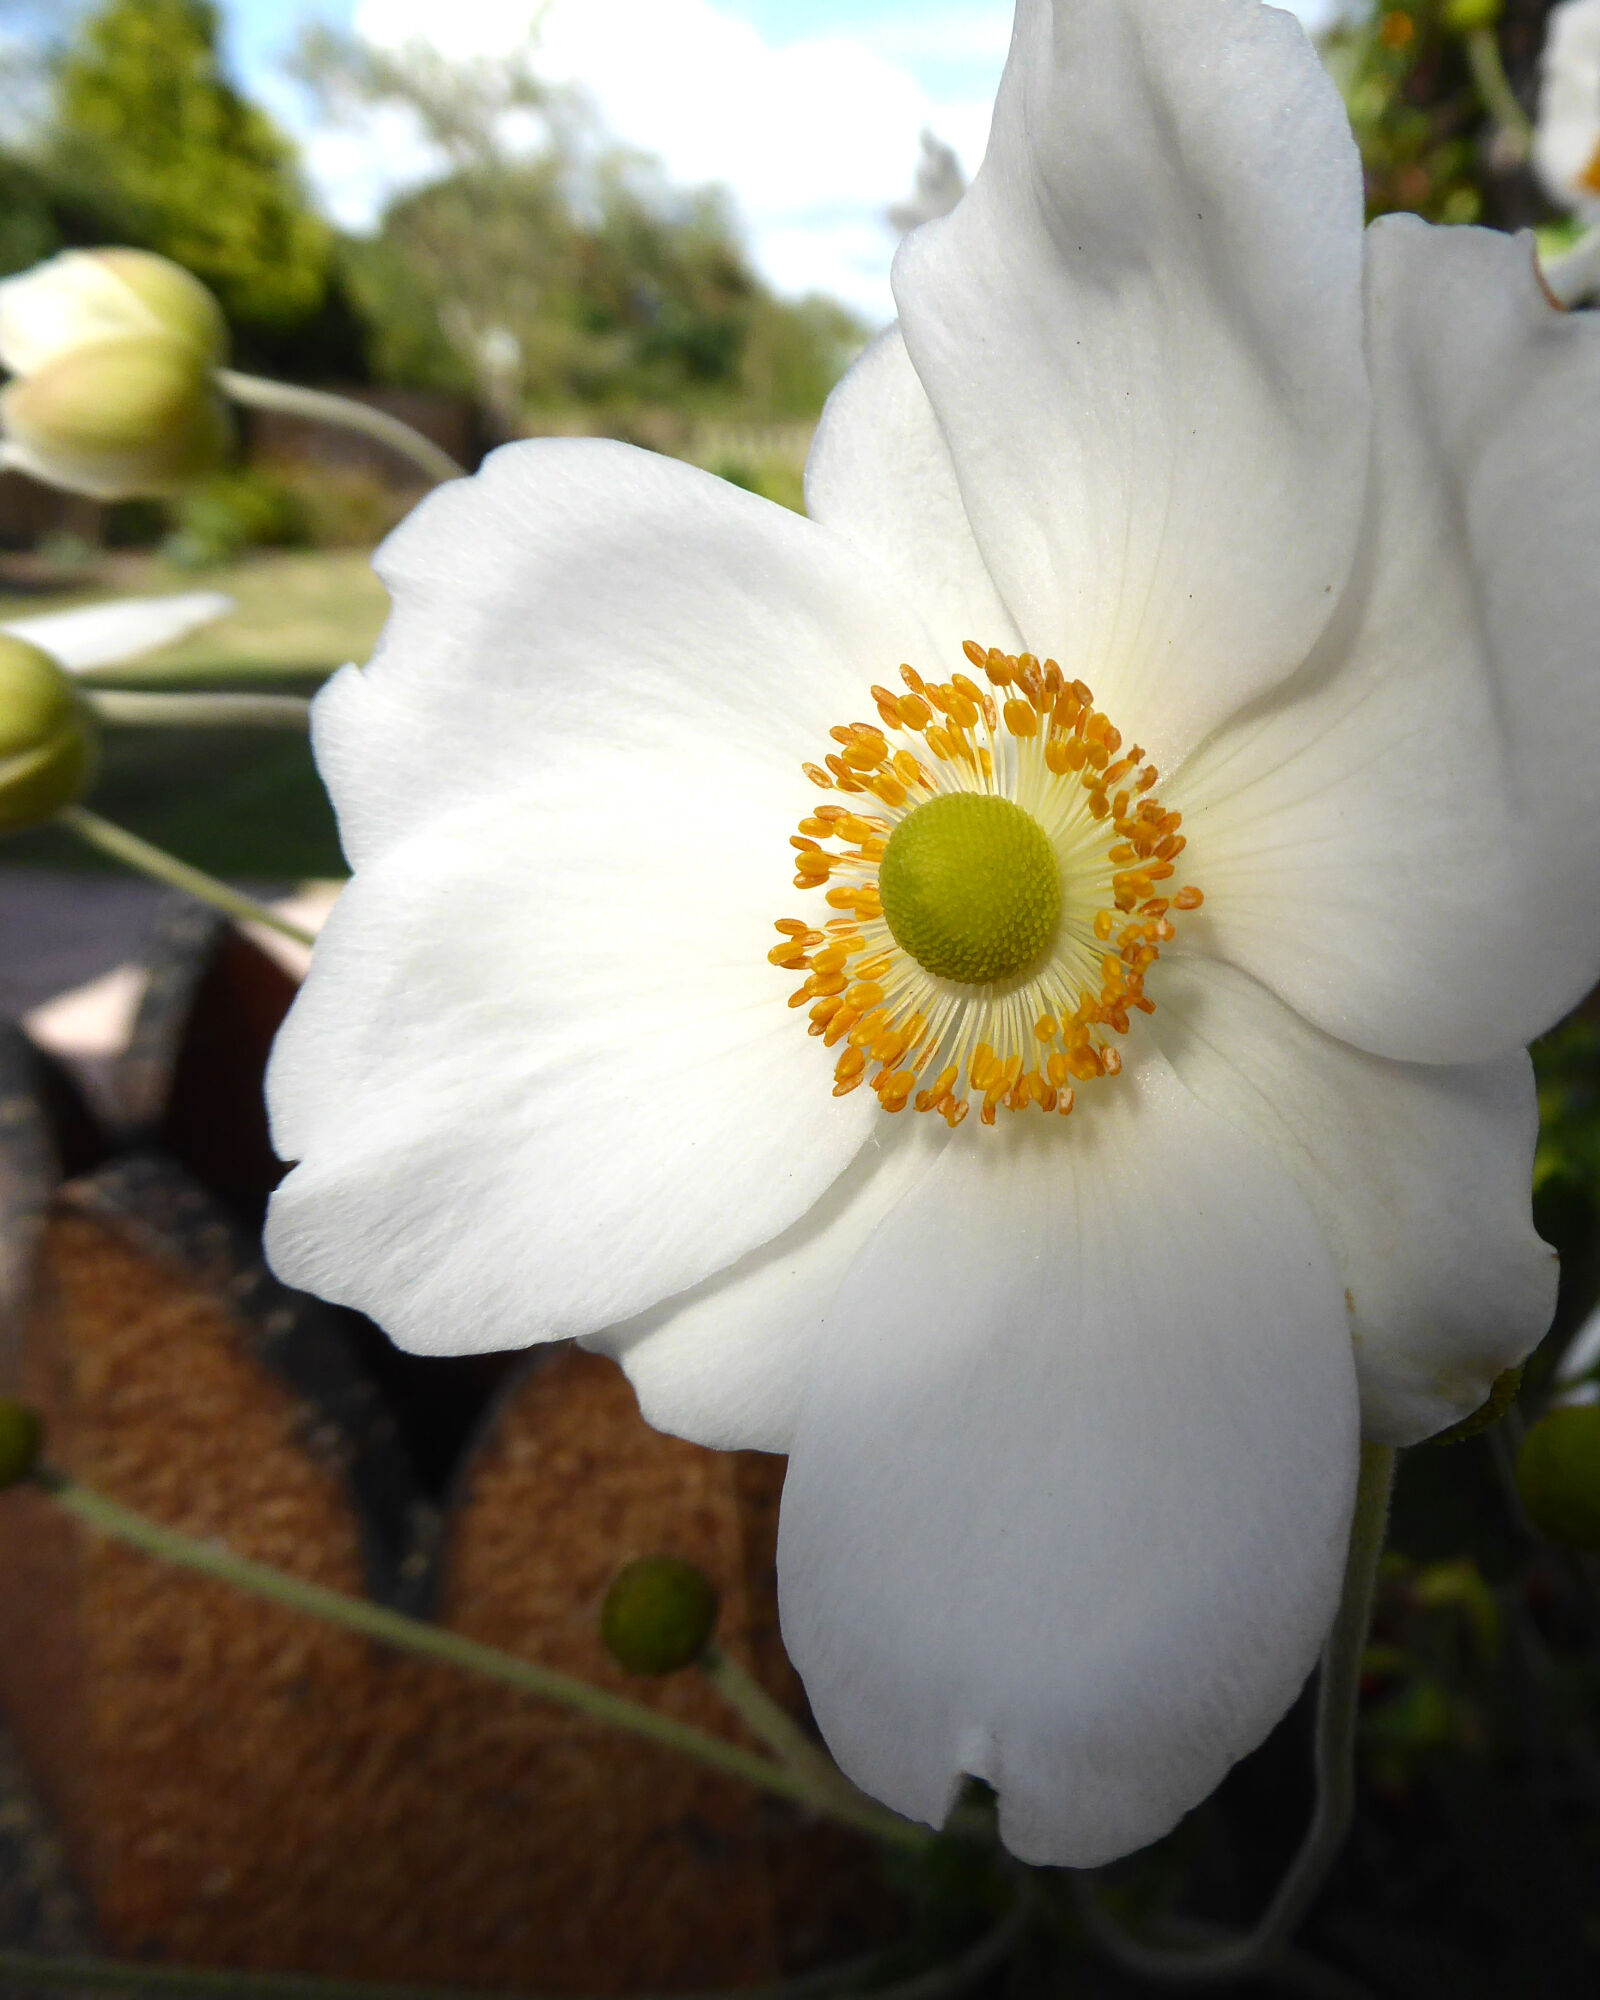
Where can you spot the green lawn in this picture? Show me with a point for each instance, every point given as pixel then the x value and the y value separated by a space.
pixel 243 803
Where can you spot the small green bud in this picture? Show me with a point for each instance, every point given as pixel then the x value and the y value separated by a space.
pixel 1462 17
pixel 21 1434
pixel 134 415
pixel 49 738
pixel 1558 1475
pixel 84 297
pixel 659 1615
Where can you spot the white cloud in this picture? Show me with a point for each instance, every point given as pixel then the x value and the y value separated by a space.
pixel 814 138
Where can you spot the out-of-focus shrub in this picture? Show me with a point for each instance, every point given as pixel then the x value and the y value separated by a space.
pixel 234 511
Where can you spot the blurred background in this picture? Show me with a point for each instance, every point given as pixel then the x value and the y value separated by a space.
pixel 671 222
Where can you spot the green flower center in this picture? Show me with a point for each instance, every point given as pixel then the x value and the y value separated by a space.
pixel 970 888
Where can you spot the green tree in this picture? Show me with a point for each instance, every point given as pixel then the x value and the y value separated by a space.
pixel 150 131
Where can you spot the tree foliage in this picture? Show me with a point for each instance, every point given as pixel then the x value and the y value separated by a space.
pixel 150 132
pixel 544 266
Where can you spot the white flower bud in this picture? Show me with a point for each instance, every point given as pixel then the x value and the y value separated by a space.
pixel 135 414
pixel 49 741
pixel 84 297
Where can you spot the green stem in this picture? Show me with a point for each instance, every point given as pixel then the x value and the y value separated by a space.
pixel 1499 99
pixel 1338 1693
pixel 771 1721
pixel 34 1968
pixel 374 1621
pixel 131 709
pixel 345 412
pixel 163 867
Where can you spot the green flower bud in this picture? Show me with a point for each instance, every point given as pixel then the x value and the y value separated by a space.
pixel 134 415
pixel 1461 17
pixel 21 1434
pixel 658 1615
pixel 84 297
pixel 1558 1475
pixel 49 739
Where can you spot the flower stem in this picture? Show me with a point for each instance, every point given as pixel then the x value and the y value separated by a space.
pixel 1499 99
pixel 771 1721
pixel 1338 1692
pixel 130 709
pixel 344 411
pixel 163 867
pixel 374 1621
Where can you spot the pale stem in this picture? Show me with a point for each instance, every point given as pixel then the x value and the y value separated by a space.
pixel 1338 1692
pixel 1574 276
pixel 771 1721
pixel 175 874
pixel 375 1621
pixel 130 709
pixel 345 412
pixel 1499 99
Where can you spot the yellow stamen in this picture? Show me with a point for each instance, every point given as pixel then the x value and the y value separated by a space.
pixel 1013 1042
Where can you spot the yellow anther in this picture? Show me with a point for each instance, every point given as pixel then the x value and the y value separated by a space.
pixel 1047 1024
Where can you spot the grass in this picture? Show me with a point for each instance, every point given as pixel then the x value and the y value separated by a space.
pixel 300 614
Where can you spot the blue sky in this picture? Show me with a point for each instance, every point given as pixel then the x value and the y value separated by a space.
pixel 808 111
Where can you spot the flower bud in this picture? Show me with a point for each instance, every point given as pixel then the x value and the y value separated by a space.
pixel 658 1615
pixel 84 297
pixel 1461 17
pixel 20 1437
pixel 1558 1475
pixel 49 741
pixel 134 415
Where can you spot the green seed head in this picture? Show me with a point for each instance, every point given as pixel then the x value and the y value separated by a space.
pixel 659 1615
pixel 49 741
pixel 970 888
pixel 1558 1475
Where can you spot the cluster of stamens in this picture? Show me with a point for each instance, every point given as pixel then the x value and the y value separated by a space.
pixel 1030 1037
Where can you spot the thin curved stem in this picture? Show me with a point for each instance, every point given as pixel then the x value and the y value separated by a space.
pixel 771 1721
pixel 1338 1695
pixel 1515 132
pixel 34 1968
pixel 131 709
pixel 160 866
pixel 347 414
pixel 374 1621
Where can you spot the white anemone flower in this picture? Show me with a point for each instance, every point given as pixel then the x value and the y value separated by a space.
pixel 1566 133
pixel 1260 528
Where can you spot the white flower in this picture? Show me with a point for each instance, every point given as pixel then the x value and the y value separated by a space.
pixel 1566 133
pixel 1071 1403
pixel 113 354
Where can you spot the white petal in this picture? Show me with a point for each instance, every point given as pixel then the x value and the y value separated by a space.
pixel 541 1074
pixel 727 1364
pixel 1141 333
pixel 1406 845
pixel 1069 1490
pixel 1418 1174
pixel 880 475
pixel 99 635
pixel 578 588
